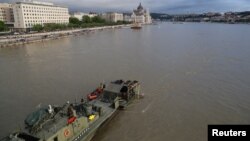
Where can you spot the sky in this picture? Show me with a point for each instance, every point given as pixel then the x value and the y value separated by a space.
pixel 161 6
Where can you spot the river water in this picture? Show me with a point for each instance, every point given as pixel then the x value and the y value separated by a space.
pixel 192 75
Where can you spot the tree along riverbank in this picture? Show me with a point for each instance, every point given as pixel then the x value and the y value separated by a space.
pixel 16 40
pixel 86 22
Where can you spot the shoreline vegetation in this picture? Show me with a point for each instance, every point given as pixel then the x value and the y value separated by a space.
pixel 52 31
pixel 86 22
pixel 3 27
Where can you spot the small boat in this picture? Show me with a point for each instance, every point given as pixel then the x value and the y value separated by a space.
pixel 136 26
pixel 96 93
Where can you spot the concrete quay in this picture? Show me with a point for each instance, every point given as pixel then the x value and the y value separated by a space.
pixel 16 40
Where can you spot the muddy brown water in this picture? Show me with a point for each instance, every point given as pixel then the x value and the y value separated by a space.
pixel 192 75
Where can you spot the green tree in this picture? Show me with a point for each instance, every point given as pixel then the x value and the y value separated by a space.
pixel 119 22
pixel 70 25
pixel 55 26
pixel 37 27
pixel 3 27
pixel 74 20
pixel 86 19
pixel 98 19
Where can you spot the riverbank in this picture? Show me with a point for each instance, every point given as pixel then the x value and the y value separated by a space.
pixel 16 40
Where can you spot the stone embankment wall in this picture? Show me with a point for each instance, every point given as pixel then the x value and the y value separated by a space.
pixel 16 40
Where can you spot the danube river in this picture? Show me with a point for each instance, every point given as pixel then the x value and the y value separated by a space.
pixel 192 75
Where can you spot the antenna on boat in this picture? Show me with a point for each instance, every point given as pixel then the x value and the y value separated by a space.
pixel 50 109
pixel 101 86
pixel 76 99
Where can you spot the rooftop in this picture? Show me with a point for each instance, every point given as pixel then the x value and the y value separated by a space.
pixel 39 3
pixel 140 7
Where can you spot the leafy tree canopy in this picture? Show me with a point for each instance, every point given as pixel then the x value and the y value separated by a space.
pixel 98 19
pixel 86 19
pixel 74 20
pixel 37 27
pixel 2 26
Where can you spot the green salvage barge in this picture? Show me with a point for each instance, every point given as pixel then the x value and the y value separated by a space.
pixel 77 121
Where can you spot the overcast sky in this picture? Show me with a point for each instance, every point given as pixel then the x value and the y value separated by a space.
pixel 166 6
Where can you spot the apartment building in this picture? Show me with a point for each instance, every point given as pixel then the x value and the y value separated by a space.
pixel 112 16
pixel 29 13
